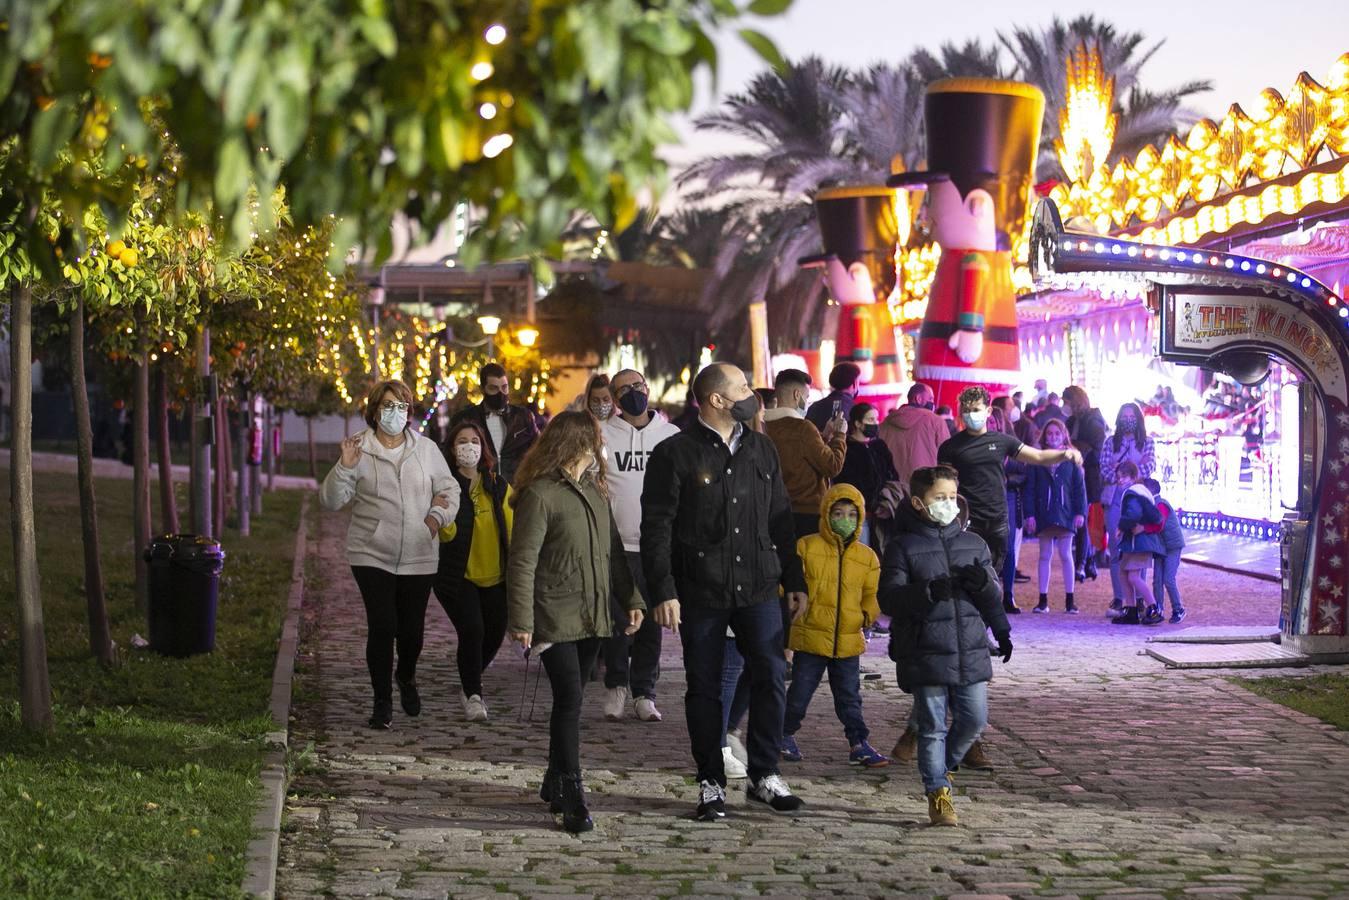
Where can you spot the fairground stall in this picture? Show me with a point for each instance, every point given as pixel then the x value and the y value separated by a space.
pixel 1226 251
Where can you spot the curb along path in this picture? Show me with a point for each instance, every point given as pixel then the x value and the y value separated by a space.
pixel 262 854
pixel 1114 776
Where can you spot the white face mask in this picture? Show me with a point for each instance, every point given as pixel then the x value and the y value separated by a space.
pixel 1014 415
pixel 467 455
pixel 392 421
pixel 943 512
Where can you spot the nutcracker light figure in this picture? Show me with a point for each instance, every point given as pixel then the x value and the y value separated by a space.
pixel 982 139
pixel 859 230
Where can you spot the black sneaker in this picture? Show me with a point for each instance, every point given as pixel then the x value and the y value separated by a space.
pixel 1042 606
pixel 1151 617
pixel 1010 607
pixel 1116 607
pixel 773 791
pixel 711 802
pixel 1070 605
pixel 1020 578
pixel 880 628
pixel 1177 616
pixel 1128 617
pixel 382 718
pixel 409 697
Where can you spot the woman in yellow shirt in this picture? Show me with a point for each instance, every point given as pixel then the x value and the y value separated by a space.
pixel 471 581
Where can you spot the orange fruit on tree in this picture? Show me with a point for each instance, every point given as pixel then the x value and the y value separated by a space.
pixel 129 257
pixel 115 248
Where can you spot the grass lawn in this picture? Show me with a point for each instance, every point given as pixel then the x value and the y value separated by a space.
pixel 148 786
pixel 1324 696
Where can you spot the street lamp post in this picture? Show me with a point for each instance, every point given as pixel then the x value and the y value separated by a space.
pixel 376 301
pixel 490 326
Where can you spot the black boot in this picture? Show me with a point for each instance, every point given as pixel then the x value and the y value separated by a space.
pixel 409 696
pixel 575 816
pixel 1069 606
pixel 550 793
pixel 382 718
pixel 1009 606
pixel 1043 605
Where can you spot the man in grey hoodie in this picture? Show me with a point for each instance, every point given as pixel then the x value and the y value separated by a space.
pixel 632 662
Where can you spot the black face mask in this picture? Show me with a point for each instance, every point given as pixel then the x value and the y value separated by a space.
pixel 871 431
pixel 633 403
pixel 745 410
pixel 495 402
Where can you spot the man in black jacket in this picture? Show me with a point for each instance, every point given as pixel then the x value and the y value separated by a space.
pixel 511 429
pixel 939 586
pixel 717 541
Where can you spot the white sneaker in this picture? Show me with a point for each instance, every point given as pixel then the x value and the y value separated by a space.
pixel 773 791
pixel 646 710
pixel 615 703
pixel 737 747
pixel 734 768
pixel 474 709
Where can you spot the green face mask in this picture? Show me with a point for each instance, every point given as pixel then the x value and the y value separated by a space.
pixel 843 527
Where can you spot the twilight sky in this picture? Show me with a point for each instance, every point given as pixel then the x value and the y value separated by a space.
pixel 1242 46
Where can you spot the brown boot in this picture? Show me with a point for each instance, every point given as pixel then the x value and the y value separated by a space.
pixel 906 748
pixel 976 759
pixel 940 809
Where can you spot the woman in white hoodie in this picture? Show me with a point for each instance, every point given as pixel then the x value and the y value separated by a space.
pixel 402 494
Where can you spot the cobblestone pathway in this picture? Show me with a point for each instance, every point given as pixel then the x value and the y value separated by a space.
pixel 1114 777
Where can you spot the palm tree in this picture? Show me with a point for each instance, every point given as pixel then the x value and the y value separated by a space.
pixel 1144 117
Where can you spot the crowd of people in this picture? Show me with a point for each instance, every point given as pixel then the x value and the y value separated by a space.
pixel 774 537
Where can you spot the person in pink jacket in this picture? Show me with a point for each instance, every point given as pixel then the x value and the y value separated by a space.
pixel 914 432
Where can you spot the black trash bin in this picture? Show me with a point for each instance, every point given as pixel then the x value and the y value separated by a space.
pixel 184 588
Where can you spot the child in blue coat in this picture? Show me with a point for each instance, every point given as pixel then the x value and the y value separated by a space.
pixel 1137 547
pixel 1167 566
pixel 1056 507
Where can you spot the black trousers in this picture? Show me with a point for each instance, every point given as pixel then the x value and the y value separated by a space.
pixel 395 614
pixel 633 660
pixel 567 665
pixel 479 618
pixel 994 533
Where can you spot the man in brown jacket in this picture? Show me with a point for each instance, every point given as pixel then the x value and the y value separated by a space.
pixel 809 459
pixel 914 432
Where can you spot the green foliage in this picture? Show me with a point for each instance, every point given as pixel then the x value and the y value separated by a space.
pixel 368 110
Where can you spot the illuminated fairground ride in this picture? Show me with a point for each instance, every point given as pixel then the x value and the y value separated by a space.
pixel 1235 313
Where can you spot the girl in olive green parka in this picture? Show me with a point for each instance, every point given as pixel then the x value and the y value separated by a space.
pixel 565 557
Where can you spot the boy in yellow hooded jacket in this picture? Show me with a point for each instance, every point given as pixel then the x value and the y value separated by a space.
pixel 842 574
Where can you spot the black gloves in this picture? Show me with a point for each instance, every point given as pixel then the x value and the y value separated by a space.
pixel 939 590
pixel 973 578
pixel 1005 646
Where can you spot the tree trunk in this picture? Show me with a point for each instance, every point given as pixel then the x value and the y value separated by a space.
pixel 35 694
pixel 168 503
pixel 222 466
pixel 100 639
pixel 140 478
pixel 313 452
pixel 243 508
pixel 202 520
pixel 273 438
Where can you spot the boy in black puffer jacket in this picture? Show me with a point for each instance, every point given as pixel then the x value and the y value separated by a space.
pixel 938 584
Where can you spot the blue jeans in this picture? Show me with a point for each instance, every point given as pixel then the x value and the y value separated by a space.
pixel 734 690
pixel 758 636
pixel 940 749
pixel 1164 575
pixel 845 683
pixel 1112 513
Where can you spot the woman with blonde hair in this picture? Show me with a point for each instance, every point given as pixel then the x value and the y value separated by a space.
pixel 402 494
pixel 566 556
pixel 1056 507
